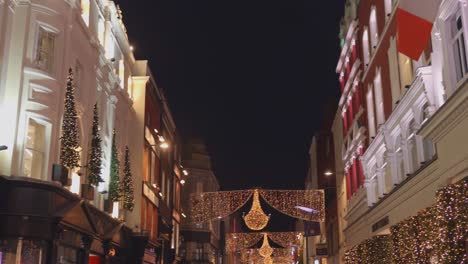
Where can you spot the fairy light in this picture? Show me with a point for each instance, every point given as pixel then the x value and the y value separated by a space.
pixel 243 241
pixel 256 219
pixel 208 206
pixel 437 234
pixel 265 250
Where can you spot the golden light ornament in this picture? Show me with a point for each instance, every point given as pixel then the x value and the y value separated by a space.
pixel 268 260
pixel 266 250
pixel 256 219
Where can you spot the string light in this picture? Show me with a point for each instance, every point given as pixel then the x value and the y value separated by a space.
pixel 210 205
pixel 243 241
pixel 256 219
pixel 286 201
pixel 437 234
pixel 265 250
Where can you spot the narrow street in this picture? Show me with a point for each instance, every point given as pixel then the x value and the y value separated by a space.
pixel 247 132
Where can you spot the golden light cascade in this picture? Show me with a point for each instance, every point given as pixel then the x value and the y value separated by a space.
pixel 256 219
pixel 211 205
pixel 266 250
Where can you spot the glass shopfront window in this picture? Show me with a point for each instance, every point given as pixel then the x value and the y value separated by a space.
pixel 22 251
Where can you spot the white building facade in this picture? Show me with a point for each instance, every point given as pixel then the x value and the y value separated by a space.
pixel 417 119
pixel 40 40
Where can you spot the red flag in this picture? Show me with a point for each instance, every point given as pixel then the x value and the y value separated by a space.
pixel 414 20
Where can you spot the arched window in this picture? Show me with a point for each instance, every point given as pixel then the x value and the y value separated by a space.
pixel 365 47
pixel 374 34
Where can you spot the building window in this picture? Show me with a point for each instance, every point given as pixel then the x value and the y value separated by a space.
pixel 458 46
pixel 101 30
pixel 388 9
pixel 406 71
pixel 393 70
pixel 374 34
pixel 122 73
pixel 365 47
pixel 370 112
pixel 45 49
pixel 379 104
pixel 85 11
pixel 77 79
pixel 34 151
pixel 110 47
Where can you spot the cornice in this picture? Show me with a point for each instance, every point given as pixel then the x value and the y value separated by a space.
pixel 448 116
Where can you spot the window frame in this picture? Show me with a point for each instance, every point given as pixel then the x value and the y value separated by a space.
pixel 46 148
pixel 49 66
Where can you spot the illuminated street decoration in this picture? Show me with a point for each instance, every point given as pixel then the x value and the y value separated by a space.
pixel 256 219
pixel 214 205
pixel 286 201
pixel 243 241
pixel 266 250
pixel 211 205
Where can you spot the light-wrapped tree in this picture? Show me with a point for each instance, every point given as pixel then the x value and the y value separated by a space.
pixel 95 157
pixel 127 184
pixel 114 184
pixel 69 155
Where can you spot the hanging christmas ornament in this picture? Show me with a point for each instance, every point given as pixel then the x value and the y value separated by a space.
pixel 266 250
pixel 256 219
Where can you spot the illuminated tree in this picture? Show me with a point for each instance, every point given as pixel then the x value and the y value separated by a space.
pixel 95 157
pixel 114 185
pixel 127 184
pixel 69 155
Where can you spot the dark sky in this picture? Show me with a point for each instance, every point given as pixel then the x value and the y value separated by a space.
pixel 249 77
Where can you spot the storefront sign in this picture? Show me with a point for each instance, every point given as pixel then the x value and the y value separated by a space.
pixel 321 250
pixel 379 224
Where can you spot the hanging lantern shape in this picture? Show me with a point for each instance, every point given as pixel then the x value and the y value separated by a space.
pixel 266 250
pixel 256 219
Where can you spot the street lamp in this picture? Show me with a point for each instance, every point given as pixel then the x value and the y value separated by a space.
pixel 3 147
pixel 311 212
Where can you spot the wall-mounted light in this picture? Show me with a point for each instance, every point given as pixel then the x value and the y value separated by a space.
pixel 328 173
pixel 182 182
pixel 185 172
pixel 183 215
pixel 164 145
pixel 131 48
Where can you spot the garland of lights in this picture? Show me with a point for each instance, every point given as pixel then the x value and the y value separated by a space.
pixel 279 256
pixel 211 205
pixel 374 250
pixel 243 241
pixel 286 202
pixel 286 239
pixel 256 219
pixel 438 234
pixel 452 224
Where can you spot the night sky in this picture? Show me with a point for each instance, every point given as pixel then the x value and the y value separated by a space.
pixel 248 77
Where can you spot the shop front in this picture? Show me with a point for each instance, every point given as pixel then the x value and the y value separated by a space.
pixel 43 223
